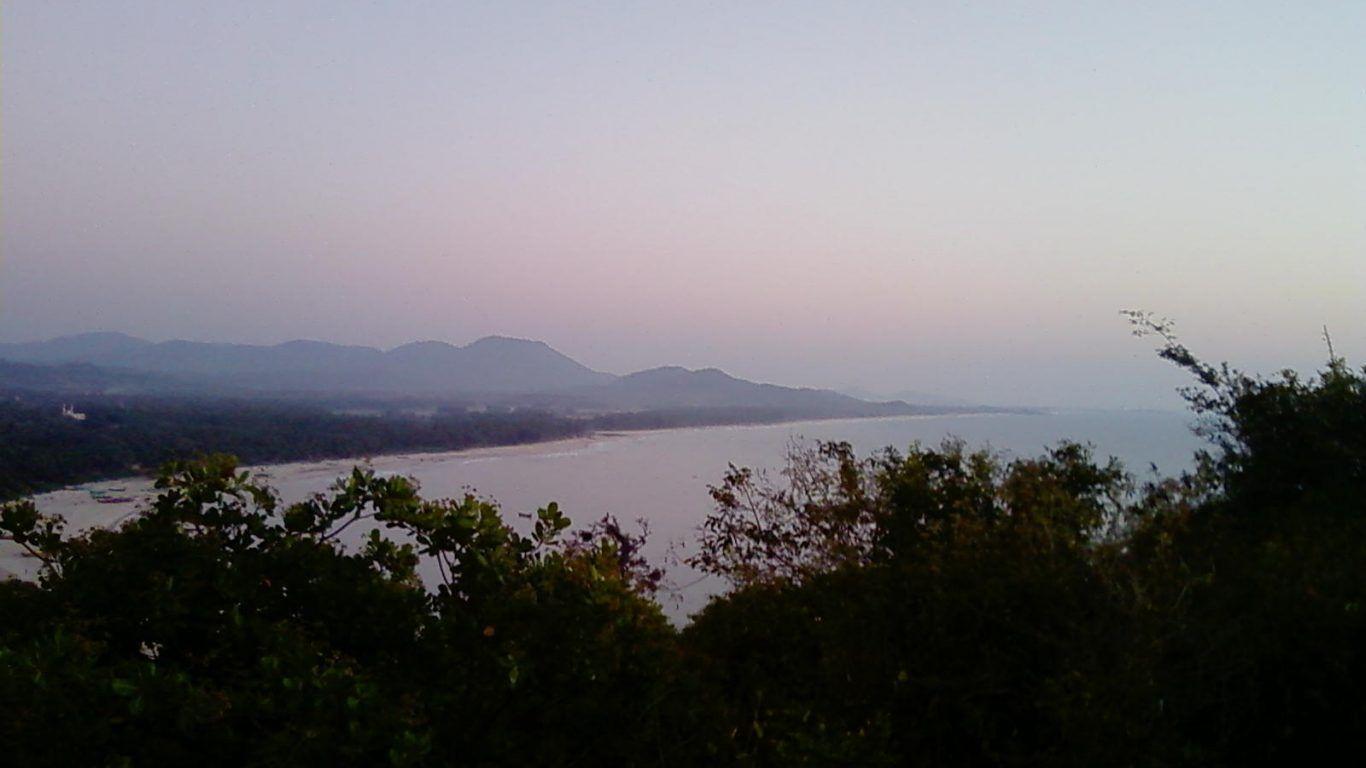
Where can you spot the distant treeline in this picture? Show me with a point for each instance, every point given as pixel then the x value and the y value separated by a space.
pixel 40 449
pixel 938 606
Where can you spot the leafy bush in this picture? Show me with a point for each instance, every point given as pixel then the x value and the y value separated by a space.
pixel 938 605
pixel 945 606
pixel 219 627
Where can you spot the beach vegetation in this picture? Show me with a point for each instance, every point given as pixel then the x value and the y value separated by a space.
pixel 936 604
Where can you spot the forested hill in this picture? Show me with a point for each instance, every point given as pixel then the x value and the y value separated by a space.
pixel 939 605
pixel 493 364
pixel 123 435
pixel 43 449
pixel 495 370
pixel 148 403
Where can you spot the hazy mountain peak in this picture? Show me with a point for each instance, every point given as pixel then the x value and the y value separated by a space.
pixel 673 386
pixel 506 341
pixel 81 347
pixel 678 372
pixel 423 346
pixel 714 373
pixel 491 366
pixel 308 344
pixel 102 336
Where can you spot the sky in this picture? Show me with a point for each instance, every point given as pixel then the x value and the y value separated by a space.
pixel 946 197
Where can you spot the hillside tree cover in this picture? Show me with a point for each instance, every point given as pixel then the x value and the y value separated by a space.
pixel 124 436
pixel 127 435
pixel 934 605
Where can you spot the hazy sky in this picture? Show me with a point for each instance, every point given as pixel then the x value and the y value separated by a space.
pixel 935 196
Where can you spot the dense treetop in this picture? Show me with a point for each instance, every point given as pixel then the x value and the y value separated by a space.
pixel 933 605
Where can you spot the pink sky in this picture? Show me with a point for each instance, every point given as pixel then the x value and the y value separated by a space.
pixel 887 195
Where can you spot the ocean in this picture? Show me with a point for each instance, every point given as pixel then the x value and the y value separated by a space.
pixel 662 476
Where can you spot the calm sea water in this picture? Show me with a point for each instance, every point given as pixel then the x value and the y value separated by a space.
pixel 663 476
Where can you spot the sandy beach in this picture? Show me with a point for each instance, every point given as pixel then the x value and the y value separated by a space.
pixel 91 505
pixel 94 504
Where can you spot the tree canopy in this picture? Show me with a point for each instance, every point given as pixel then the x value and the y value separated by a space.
pixel 935 604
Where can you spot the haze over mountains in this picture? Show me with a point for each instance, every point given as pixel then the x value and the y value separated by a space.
pixel 492 364
pixel 494 369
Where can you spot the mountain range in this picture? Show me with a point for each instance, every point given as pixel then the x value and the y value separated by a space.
pixel 492 364
pixel 492 370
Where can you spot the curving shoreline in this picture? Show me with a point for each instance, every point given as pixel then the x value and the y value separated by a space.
pixel 82 509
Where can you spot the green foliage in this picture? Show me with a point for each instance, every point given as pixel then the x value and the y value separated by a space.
pixel 939 605
pixel 220 628
pixel 947 607
pixel 950 608
pixel 130 435
pixel 123 436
